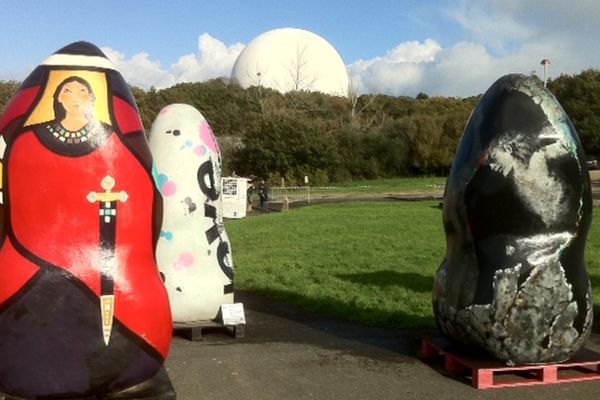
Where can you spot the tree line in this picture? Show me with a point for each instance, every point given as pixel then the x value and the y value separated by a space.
pixel 267 134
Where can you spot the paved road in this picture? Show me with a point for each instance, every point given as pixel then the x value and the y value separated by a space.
pixel 288 354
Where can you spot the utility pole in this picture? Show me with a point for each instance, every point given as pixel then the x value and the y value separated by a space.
pixel 545 62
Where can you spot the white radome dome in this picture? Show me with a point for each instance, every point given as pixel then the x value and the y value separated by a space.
pixel 291 59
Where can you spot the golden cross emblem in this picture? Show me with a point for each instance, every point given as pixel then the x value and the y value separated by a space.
pixel 107 183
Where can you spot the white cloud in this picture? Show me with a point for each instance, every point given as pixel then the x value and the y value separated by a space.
pixel 503 36
pixel 499 37
pixel 139 70
pixel 414 52
pixel 463 69
pixel 491 23
pixel 460 70
pixel 399 71
pixel 214 59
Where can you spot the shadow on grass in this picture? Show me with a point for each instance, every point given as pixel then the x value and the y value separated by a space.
pixel 339 319
pixel 408 280
pixel 282 316
pixel 595 282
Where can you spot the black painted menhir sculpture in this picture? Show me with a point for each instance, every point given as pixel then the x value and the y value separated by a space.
pixel 517 211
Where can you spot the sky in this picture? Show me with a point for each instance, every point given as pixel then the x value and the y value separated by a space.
pixel 396 47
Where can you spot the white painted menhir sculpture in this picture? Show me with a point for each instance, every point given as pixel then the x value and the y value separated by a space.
pixel 193 251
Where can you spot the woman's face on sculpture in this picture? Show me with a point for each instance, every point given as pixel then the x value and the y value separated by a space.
pixel 75 98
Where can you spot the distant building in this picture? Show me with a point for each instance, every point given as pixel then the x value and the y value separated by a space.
pixel 291 59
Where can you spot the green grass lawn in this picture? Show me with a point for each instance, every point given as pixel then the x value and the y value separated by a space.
pixel 387 186
pixel 391 185
pixel 371 263
pixel 367 262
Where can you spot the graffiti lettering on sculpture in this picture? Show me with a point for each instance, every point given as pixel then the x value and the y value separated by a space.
pixel 206 181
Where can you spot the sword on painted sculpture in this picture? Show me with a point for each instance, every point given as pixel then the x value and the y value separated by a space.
pixel 107 202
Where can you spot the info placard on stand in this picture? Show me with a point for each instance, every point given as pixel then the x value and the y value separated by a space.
pixel 233 314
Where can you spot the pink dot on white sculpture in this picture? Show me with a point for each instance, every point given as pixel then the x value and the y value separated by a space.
pixel 169 188
pixel 183 261
pixel 207 137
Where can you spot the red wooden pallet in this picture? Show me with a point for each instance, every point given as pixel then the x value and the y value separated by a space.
pixel 488 374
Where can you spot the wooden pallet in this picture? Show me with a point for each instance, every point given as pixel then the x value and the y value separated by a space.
pixel 488 374
pixel 194 330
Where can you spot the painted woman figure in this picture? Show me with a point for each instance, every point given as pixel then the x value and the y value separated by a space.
pixel 74 102
pixel 83 311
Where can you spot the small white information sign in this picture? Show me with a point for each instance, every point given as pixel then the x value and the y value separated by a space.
pixel 233 314
pixel 235 197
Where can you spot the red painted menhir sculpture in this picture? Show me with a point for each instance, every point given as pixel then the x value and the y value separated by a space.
pixel 83 311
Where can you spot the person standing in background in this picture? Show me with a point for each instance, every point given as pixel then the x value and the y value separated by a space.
pixel 263 194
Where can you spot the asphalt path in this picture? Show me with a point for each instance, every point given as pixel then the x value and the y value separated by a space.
pixel 290 354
